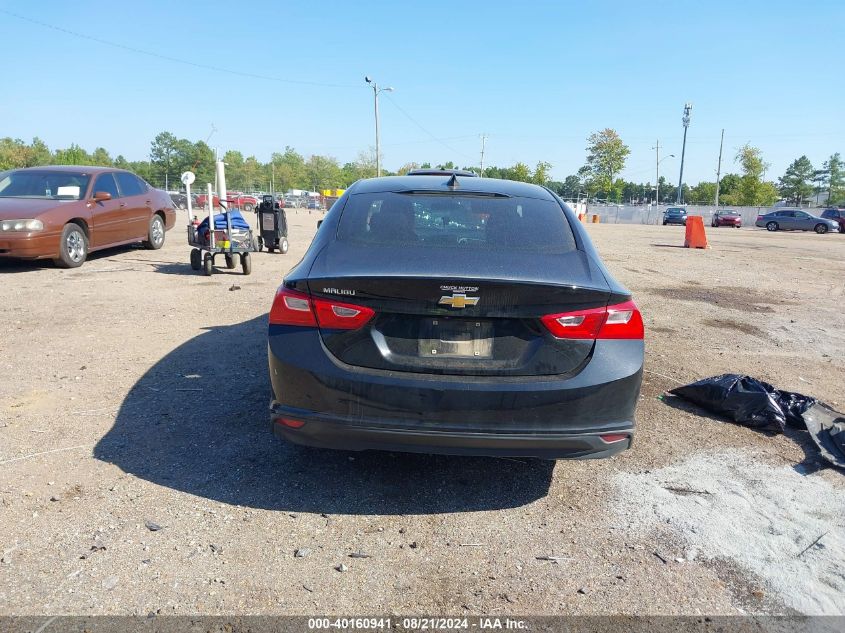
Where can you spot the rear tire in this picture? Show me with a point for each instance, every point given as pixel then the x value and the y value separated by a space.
pixel 246 263
pixel 772 226
pixel 230 262
pixel 155 234
pixel 208 265
pixel 196 259
pixel 248 208
pixel 283 246
pixel 259 244
pixel 73 247
pixel 821 229
pixel 665 223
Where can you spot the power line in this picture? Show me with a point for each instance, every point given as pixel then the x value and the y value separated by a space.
pixel 176 60
pixel 419 125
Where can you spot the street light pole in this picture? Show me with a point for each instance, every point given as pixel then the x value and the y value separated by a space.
pixel 376 91
pixel 657 161
pixel 685 120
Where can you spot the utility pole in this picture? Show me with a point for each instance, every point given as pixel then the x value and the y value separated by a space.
pixel 719 168
pixel 376 91
pixel 685 120
pixel 656 149
pixel 483 141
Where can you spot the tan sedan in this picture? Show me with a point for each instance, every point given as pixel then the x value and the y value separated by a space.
pixel 63 213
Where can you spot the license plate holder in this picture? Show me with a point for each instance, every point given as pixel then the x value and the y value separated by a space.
pixel 456 338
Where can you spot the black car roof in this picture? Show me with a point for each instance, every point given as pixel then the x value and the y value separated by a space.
pixel 441 184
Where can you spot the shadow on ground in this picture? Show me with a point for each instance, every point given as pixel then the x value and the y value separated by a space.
pixel 198 422
pixel 13 265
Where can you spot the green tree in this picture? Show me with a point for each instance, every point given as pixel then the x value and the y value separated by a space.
pixel 606 155
pixel 73 155
pixel 572 187
pixel 163 150
pixel 13 153
pixel 668 191
pixel 234 161
pixel 728 189
pixel 520 172
pixel 290 170
pixel 199 158
pixel 796 182
pixel 752 190
pixel 322 172
pixel 39 153
pixel 835 178
pixel 101 158
pixel 541 173
pixel 703 193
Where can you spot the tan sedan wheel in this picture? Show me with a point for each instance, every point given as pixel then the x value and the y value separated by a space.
pixel 73 247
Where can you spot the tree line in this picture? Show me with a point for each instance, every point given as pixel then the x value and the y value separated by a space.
pixel 598 179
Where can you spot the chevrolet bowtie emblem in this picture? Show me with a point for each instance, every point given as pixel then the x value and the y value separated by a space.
pixel 458 300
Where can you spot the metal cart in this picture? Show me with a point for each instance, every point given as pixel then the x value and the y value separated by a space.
pixel 272 226
pixel 231 242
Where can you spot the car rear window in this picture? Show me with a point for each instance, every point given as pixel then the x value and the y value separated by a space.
pixel 479 222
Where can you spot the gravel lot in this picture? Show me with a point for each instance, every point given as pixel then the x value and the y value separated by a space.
pixel 138 473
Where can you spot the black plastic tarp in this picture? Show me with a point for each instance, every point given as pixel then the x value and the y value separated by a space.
pixel 759 405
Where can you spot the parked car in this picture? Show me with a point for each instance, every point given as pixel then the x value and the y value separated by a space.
pixel 725 217
pixel 675 215
pixel 63 213
pixel 314 204
pixel 471 319
pixel 180 200
pixel 243 201
pixel 836 214
pixel 795 220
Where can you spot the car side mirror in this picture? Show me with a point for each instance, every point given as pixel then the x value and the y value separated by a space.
pixel 319 222
pixel 101 196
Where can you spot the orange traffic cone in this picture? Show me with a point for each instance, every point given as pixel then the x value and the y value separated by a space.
pixel 695 237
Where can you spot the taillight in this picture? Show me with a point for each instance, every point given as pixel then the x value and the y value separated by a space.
pixel 620 321
pixel 291 307
pixel 341 316
pixel 759 217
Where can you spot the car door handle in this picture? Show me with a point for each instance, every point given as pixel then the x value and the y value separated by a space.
pixel 149 202
pixel 122 204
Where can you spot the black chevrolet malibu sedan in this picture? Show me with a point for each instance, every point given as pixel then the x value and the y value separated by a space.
pixel 453 314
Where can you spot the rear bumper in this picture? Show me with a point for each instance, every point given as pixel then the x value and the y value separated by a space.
pixel 342 435
pixel 544 416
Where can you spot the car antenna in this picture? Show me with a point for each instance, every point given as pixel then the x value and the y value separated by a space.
pixel 453 182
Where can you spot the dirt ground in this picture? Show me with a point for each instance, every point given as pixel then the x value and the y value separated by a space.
pixel 138 474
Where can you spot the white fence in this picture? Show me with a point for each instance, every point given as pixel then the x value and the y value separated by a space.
pixel 627 214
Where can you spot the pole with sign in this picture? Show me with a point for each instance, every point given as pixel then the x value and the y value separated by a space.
pixel 188 179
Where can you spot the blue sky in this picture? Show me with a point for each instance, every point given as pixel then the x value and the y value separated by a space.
pixel 537 77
